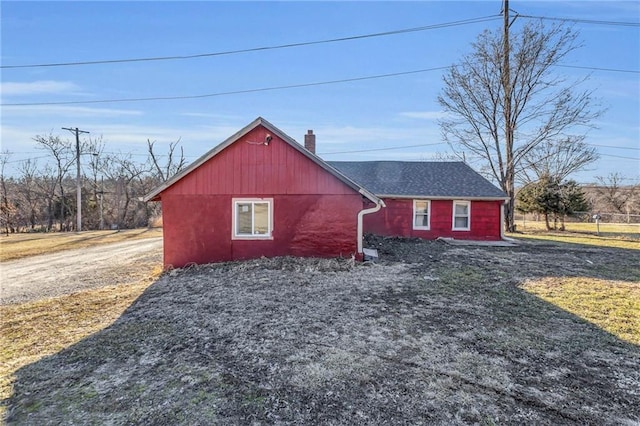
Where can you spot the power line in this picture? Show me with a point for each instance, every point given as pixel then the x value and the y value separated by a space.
pixel 315 42
pixel 381 149
pixel 133 153
pixel 345 152
pixel 262 48
pixel 620 156
pixel 599 69
pixel 235 92
pixel 615 147
pixel 265 89
pixel 582 21
pixel 25 159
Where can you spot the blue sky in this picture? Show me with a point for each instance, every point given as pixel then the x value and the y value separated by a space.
pixel 366 116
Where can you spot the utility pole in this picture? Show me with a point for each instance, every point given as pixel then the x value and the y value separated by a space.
pixel 101 197
pixel 78 185
pixel 508 127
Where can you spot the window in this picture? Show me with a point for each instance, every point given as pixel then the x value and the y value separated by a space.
pixel 252 218
pixel 461 215
pixel 421 214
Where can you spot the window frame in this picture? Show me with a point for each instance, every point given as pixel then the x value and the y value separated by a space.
pixel 428 226
pixel 235 202
pixel 454 216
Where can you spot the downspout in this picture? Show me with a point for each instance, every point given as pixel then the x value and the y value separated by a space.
pixel 502 206
pixel 361 213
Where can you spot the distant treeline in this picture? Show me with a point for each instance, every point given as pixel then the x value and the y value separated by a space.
pixel 41 197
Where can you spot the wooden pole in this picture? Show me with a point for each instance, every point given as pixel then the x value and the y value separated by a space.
pixel 78 183
pixel 508 128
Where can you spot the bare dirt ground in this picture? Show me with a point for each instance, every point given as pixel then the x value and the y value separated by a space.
pixel 432 334
pixel 65 272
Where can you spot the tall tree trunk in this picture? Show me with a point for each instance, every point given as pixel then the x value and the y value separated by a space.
pixel 61 208
pixel 50 214
pixel 509 210
pixel 546 221
pixel 508 123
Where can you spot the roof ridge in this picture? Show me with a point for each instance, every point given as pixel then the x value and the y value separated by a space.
pixel 411 179
pixel 397 161
pixel 260 121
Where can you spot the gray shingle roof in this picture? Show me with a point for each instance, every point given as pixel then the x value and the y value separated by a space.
pixel 419 179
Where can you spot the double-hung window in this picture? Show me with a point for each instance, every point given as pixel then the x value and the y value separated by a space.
pixel 421 214
pixel 252 218
pixel 461 215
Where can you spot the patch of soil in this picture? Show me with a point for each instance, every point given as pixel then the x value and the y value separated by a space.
pixel 430 334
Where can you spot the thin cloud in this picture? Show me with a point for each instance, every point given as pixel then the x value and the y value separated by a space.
pixel 74 111
pixel 207 137
pixel 19 138
pixel 424 115
pixel 37 87
pixel 353 136
pixel 211 115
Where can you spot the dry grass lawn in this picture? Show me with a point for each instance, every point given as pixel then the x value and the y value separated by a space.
pixel 31 331
pixel 445 333
pixel 17 246
pixel 584 227
pixel 613 306
pixel 615 235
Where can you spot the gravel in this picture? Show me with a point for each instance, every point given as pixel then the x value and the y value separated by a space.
pixel 66 272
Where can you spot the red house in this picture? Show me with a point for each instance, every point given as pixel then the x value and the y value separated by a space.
pixel 429 199
pixel 260 193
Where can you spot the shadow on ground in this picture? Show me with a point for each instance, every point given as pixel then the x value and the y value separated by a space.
pixel 431 334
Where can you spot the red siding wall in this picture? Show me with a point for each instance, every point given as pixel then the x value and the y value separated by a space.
pixel 322 226
pixel 314 213
pixel 248 167
pixel 397 220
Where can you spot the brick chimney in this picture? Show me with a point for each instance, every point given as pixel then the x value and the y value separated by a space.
pixel 310 141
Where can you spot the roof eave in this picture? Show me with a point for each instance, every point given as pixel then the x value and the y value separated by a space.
pixel 155 194
pixel 443 197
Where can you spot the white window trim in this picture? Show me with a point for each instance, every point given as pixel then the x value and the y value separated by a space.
pixel 422 228
pixel 453 215
pixel 234 213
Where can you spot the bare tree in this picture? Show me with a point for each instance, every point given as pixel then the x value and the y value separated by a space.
pixel 30 194
pixel 557 159
pixel 40 192
pixel 6 207
pixel 170 167
pixel 615 194
pixel 47 183
pixel 161 173
pixel 95 147
pixel 64 157
pixel 125 173
pixel 93 218
pixel 539 106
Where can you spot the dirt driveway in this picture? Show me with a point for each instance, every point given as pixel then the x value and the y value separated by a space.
pixel 68 271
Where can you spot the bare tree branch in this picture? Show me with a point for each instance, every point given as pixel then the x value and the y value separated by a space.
pixel 548 115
